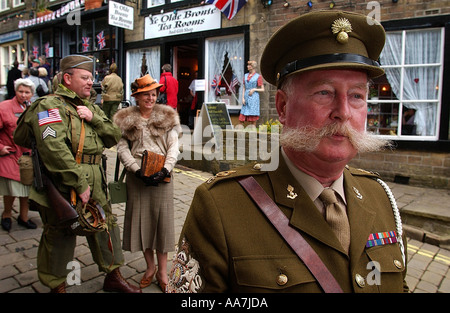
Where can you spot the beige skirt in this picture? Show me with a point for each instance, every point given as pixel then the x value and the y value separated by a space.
pixel 10 187
pixel 149 216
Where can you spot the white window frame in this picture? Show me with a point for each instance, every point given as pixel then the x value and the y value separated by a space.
pixel 211 58
pixel 4 5
pixel 18 3
pixel 400 97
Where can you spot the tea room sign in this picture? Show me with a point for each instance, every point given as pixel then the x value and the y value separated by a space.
pixel 181 22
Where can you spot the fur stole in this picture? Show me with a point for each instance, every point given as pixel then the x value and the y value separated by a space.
pixel 162 119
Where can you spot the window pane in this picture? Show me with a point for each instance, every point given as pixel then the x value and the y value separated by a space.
pixel 423 47
pixel 421 83
pixel 382 118
pixel 153 3
pixel 87 41
pixel 392 52
pixel 381 88
pixel 102 36
pixel 425 118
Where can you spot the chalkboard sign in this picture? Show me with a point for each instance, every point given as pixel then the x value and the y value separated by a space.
pixel 218 114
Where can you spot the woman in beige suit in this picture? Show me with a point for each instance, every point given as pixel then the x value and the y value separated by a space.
pixel 149 223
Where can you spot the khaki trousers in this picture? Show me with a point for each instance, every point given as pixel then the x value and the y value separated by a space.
pixel 57 245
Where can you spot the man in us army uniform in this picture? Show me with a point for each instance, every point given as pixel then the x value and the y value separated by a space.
pixel 55 123
pixel 321 64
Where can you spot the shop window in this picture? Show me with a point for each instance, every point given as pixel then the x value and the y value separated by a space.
pixel 141 62
pixel 225 66
pixel 405 102
pixel 97 38
pixel 8 54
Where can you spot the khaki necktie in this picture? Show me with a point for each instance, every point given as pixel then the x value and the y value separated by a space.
pixel 336 217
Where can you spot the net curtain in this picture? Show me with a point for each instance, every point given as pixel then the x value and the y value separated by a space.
pixel 420 82
pixel 217 49
pixel 152 56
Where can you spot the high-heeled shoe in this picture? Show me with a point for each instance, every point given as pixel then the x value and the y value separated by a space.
pixel 145 282
pixel 162 285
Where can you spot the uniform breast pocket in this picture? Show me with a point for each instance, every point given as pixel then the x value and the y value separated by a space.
pixel 272 273
pixel 386 268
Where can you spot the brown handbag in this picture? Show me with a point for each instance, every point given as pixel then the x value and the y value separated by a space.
pixel 152 163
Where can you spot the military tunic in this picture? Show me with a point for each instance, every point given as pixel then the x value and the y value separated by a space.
pixel 228 245
pixel 56 126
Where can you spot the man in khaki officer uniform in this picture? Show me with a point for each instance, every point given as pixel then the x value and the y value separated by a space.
pixel 112 92
pixel 55 122
pixel 321 63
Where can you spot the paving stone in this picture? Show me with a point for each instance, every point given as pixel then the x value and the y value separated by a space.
pixel 8 284
pixel 426 286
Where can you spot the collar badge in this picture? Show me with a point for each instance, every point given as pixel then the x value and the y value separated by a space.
pixel 291 195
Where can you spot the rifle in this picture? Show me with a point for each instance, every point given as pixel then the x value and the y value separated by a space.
pixel 65 212
pixel 37 179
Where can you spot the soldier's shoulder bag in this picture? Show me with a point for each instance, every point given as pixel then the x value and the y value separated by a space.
pixel 118 188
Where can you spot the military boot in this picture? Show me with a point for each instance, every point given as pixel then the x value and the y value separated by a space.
pixel 114 281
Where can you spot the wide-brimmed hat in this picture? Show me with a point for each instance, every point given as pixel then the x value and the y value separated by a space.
pixel 324 40
pixel 144 83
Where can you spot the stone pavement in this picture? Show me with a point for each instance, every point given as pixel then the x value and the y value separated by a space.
pixel 428 264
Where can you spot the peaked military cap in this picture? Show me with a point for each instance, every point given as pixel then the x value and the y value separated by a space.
pixel 77 61
pixel 324 40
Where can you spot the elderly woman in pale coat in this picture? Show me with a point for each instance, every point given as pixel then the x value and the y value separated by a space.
pixel 149 214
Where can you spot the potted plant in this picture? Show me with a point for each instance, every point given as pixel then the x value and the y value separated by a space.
pixel 42 8
pixel 92 4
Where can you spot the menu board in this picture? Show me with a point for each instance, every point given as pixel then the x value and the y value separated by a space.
pixel 218 114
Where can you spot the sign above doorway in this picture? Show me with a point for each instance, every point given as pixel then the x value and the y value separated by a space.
pixel 182 22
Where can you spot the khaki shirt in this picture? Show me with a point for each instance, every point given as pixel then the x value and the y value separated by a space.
pixel 228 245
pixel 112 88
pixel 56 145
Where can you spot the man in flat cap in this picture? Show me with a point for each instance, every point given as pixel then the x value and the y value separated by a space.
pixel 314 224
pixel 55 123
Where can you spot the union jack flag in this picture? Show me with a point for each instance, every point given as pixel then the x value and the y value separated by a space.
pixel 215 83
pixel 85 43
pixel 47 49
pixel 35 51
pixel 101 40
pixel 228 7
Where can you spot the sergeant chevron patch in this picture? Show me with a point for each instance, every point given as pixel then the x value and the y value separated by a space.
pixel 48 132
pixel 384 238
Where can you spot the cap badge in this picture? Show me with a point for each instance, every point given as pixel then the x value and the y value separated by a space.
pixel 341 27
pixel 291 195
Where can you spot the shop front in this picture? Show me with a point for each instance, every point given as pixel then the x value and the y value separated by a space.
pixel 11 49
pixel 74 30
pixel 200 50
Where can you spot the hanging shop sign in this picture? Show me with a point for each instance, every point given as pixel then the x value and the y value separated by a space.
pixel 181 22
pixel 120 15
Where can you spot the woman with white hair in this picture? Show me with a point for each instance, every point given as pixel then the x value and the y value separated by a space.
pixel 10 152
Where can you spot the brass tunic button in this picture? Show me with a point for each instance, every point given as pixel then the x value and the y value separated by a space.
pixel 360 281
pixel 282 280
pixel 398 264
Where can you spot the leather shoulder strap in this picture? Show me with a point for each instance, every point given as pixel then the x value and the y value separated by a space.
pixel 290 235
